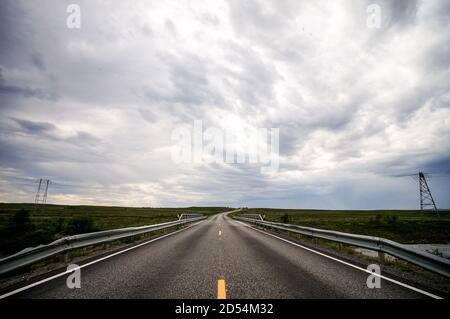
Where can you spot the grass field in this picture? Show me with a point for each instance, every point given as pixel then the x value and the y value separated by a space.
pixel 408 227
pixel 22 227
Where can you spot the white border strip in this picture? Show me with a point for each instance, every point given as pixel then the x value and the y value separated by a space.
pixel 8 294
pixel 345 263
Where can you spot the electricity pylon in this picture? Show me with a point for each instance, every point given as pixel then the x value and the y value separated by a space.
pixel 41 194
pixel 426 199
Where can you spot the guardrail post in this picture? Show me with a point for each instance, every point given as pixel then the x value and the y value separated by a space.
pixel 64 258
pixel 381 256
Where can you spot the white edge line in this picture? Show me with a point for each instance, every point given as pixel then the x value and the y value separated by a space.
pixel 346 263
pixel 8 294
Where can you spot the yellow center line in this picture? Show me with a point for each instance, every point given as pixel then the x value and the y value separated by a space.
pixel 221 291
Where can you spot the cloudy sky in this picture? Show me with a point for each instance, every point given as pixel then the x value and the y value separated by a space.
pixel 94 108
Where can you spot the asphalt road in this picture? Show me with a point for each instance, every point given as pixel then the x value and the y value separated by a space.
pixel 190 263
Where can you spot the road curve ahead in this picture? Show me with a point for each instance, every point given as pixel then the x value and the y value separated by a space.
pixel 219 257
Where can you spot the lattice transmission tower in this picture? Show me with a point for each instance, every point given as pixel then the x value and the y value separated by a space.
pixel 426 199
pixel 41 194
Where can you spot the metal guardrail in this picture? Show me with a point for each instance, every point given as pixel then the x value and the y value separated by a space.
pixel 252 216
pixel 188 215
pixel 30 256
pixel 425 260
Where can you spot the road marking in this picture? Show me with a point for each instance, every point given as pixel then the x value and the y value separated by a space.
pixel 220 233
pixel 221 291
pixel 348 264
pixel 8 294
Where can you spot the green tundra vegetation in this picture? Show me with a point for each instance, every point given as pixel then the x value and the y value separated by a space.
pixel 404 226
pixel 21 226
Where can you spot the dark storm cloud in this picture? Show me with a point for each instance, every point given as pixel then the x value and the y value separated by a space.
pixel 35 127
pixel 27 92
pixel 11 91
pixel 440 165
